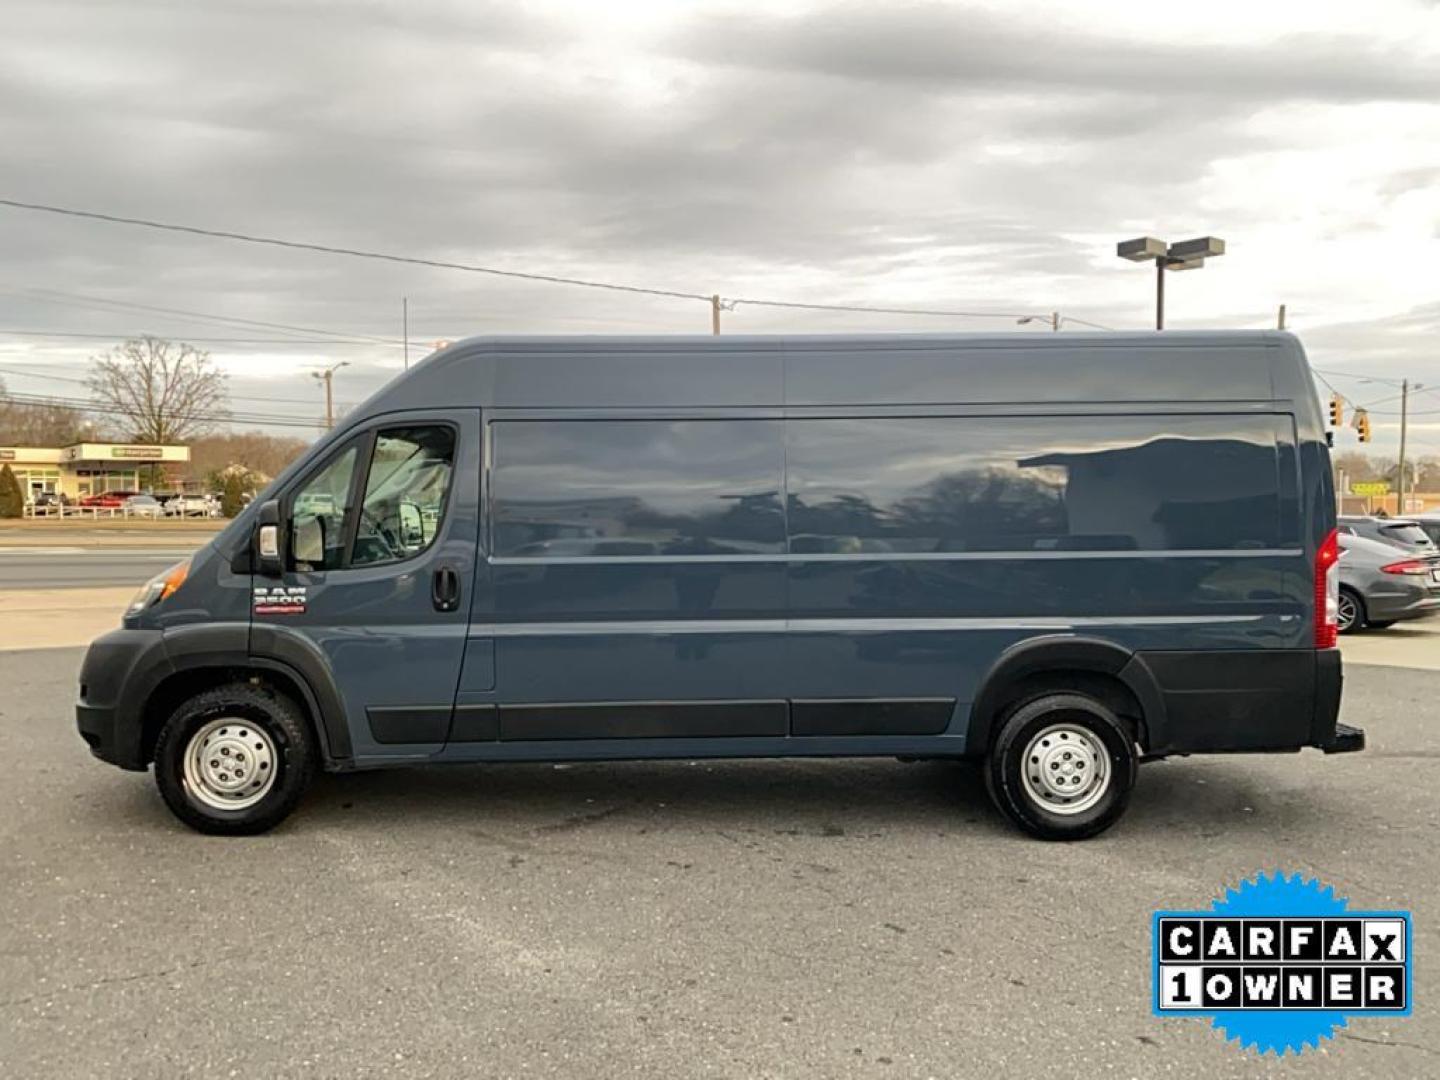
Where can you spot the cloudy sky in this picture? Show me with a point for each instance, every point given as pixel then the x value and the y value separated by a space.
pixel 977 157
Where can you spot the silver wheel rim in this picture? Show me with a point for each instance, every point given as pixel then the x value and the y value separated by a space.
pixel 230 764
pixel 1066 769
pixel 1346 612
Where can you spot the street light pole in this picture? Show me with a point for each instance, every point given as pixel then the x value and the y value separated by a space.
pixel 1404 423
pixel 326 376
pixel 1159 294
pixel 1186 255
pixel 1053 319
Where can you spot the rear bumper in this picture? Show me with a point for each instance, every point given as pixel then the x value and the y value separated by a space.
pixel 1248 701
pixel 1394 608
pixel 1347 740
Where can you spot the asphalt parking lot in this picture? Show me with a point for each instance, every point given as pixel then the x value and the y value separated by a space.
pixel 812 919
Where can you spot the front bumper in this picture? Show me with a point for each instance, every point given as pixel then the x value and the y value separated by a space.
pixel 118 672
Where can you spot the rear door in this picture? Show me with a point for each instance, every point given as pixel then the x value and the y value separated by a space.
pixel 380 562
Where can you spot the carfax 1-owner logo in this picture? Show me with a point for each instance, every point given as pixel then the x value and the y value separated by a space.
pixel 1280 963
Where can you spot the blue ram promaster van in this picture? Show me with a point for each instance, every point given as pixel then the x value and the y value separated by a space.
pixel 1057 554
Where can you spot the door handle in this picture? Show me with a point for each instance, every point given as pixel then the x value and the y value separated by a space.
pixel 445 588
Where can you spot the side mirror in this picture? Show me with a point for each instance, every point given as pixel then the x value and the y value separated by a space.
pixel 269 558
pixel 412 525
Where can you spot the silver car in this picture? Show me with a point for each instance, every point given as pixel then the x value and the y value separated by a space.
pixel 1402 532
pixel 1381 584
pixel 1431 524
pixel 142 506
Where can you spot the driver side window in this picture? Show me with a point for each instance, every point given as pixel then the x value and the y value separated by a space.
pixel 405 494
pixel 407 485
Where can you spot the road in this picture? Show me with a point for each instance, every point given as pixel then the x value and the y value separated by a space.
pixel 72 566
pixel 761 919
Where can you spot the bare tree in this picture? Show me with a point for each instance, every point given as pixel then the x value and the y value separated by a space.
pixel 164 391
pixel 40 423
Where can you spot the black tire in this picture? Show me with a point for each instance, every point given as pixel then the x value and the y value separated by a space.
pixel 1005 765
pixel 1358 621
pixel 250 705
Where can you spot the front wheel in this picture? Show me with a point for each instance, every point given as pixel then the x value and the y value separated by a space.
pixel 1062 767
pixel 234 760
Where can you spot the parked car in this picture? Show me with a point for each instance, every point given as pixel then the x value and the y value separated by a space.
pixel 1404 533
pixel 51 500
pixel 106 500
pixel 192 506
pixel 1380 584
pixel 1431 524
pixel 1057 555
pixel 143 506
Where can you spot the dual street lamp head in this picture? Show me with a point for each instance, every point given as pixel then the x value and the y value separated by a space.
pixel 1186 255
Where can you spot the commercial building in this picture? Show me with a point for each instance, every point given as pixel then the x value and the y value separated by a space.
pixel 91 468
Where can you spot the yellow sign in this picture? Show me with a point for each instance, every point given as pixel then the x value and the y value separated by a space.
pixel 1370 487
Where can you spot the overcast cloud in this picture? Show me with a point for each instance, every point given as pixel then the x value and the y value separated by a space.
pixel 976 157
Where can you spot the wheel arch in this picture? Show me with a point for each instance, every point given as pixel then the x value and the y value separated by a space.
pixel 1102 668
pixel 211 655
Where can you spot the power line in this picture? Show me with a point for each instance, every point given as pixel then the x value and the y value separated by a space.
pixel 188 339
pixel 553 279
pixel 875 310
pixel 356 253
pixel 82 405
pixel 1083 322
pixel 104 303
pixel 229 396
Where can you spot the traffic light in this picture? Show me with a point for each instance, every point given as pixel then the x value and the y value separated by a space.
pixel 1362 424
pixel 1337 410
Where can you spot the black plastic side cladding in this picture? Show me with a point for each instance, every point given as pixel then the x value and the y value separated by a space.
pixel 285 649
pixel 1055 655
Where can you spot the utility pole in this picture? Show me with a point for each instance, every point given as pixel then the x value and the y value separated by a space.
pixel 405 327
pixel 715 313
pixel 1280 319
pixel 326 376
pixel 1404 418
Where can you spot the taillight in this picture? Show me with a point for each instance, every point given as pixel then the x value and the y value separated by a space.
pixel 1327 592
pixel 1407 566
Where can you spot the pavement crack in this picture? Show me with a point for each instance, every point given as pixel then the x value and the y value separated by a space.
pixel 579 821
pixel 109 980
pixel 1389 1042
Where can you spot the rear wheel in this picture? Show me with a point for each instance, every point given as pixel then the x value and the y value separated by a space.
pixel 234 760
pixel 1062 767
pixel 1350 615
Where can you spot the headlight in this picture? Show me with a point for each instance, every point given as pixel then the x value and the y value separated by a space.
pixel 159 587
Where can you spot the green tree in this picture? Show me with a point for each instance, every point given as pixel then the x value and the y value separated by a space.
pixel 232 494
pixel 12 499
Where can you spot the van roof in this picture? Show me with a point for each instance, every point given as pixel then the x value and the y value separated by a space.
pixel 968 340
pixel 800 370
